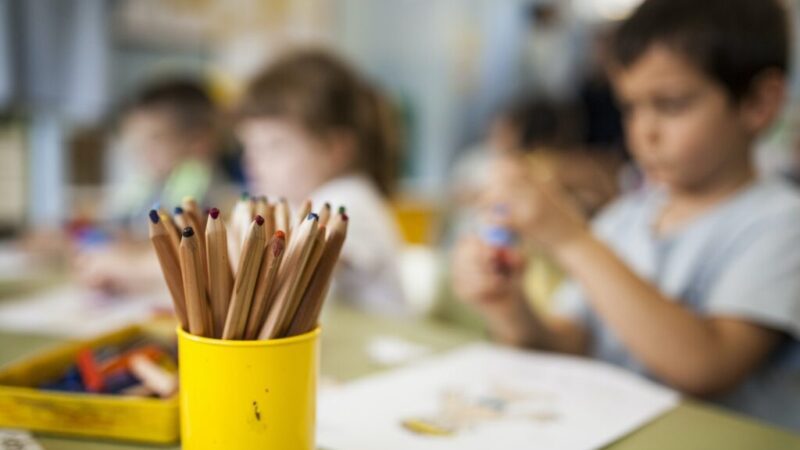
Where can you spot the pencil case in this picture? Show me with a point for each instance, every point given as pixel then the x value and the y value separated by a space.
pixel 24 405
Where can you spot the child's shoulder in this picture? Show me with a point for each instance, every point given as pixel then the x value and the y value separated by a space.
pixel 775 196
pixel 768 202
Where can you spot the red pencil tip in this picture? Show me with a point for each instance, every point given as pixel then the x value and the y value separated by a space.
pixel 259 220
pixel 213 212
pixel 280 234
pixel 345 217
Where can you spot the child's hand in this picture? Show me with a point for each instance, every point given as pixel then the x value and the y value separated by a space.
pixel 536 207
pixel 117 270
pixel 488 278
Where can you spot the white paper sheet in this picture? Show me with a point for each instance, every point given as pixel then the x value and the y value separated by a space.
pixel 72 311
pixel 17 440
pixel 387 350
pixel 16 265
pixel 484 396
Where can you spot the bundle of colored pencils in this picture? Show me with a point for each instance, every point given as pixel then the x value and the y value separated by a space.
pixel 263 277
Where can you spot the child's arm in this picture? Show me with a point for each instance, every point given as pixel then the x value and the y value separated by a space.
pixel 695 354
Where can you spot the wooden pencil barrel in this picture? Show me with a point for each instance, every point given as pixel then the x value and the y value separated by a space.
pixel 244 395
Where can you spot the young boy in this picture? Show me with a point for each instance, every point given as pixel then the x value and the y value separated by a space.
pixel 695 280
pixel 170 129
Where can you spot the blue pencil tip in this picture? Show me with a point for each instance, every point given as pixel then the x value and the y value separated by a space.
pixel 312 216
pixel 178 210
pixel 154 216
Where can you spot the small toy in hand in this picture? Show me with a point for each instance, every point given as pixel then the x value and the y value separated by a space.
pixel 502 240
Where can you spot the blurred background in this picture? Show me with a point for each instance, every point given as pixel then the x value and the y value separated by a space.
pixel 461 75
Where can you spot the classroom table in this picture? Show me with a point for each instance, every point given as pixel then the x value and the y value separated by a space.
pixel 691 425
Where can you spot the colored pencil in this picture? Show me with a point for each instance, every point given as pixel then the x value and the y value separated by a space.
pixel 194 284
pixel 220 278
pixel 282 217
pixel 308 312
pixel 245 283
pixel 265 287
pixel 325 214
pixel 298 254
pixel 170 265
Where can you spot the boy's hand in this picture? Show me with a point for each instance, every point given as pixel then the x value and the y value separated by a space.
pixel 536 207
pixel 487 278
pixel 491 282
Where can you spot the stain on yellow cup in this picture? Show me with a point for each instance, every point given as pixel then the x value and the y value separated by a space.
pixel 245 395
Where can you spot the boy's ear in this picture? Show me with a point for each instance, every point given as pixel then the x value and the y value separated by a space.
pixel 764 102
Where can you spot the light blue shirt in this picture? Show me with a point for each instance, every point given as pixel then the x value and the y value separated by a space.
pixel 741 259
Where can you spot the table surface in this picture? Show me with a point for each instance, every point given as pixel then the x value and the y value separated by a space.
pixel 692 425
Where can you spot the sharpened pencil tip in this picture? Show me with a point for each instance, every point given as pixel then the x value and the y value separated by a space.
pixel 187 232
pixel 327 205
pixel 213 212
pixel 280 234
pixel 345 217
pixel 341 210
pixel 178 210
pixel 312 216
pixel 154 216
pixel 259 220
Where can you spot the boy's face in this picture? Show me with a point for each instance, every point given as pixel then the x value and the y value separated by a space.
pixel 282 159
pixel 151 135
pixel 681 126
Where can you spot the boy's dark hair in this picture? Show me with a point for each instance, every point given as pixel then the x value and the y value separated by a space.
pixel 731 41
pixel 185 100
pixel 542 123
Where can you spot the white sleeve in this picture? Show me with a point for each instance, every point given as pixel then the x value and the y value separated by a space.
pixel 762 282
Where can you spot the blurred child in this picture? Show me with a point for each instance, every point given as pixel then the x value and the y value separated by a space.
pixel 169 136
pixel 170 131
pixel 312 128
pixel 525 125
pixel 550 141
pixel 694 280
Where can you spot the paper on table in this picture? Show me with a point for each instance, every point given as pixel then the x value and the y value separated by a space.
pixel 76 312
pixel 18 264
pixel 389 350
pixel 485 396
pixel 17 440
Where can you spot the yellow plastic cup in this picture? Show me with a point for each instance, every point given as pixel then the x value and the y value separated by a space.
pixel 246 395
